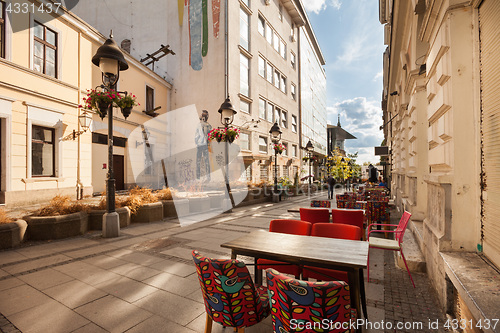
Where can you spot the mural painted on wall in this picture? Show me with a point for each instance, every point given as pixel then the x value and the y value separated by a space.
pixel 198 28
pixel 202 151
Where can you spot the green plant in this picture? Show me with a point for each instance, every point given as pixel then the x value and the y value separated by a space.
pixel 126 101
pixel 224 134
pixel 278 148
pixel 95 98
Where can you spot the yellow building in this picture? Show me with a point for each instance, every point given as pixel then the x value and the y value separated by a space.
pixel 441 104
pixel 45 70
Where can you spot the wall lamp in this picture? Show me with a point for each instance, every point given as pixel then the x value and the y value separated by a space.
pixel 85 120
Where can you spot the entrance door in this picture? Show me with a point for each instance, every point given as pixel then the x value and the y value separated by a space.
pixel 119 169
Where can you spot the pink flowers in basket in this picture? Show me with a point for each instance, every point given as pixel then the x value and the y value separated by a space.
pixel 222 134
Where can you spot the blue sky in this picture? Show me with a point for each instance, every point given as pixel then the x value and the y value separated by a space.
pixel 351 39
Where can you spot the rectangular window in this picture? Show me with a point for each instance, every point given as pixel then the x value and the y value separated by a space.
pixel 262 108
pixel 284 119
pixel 263 144
pixel 294 124
pixel 261 26
pixel 282 49
pixel 269 72
pixel 244 106
pixel 280 12
pixel 270 108
pixel 293 92
pixel 295 170
pixel 283 84
pixel 150 99
pixel 42 152
pixel 2 29
pixel 294 150
pixel 248 173
pixel 276 42
pixel 246 2
pixel 263 172
pixel 292 59
pixel 262 67
pixel 285 172
pixel 244 30
pixel 45 50
pixel 276 78
pixel 277 115
pixel 244 141
pixel 269 34
pixel 285 151
pixel 244 75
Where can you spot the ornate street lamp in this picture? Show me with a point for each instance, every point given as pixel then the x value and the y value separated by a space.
pixel 109 58
pixel 309 148
pixel 275 138
pixel 227 113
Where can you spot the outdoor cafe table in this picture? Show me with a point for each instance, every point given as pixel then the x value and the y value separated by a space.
pixel 339 254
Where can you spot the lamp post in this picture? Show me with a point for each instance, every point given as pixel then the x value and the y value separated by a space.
pixel 275 138
pixel 309 147
pixel 111 61
pixel 227 113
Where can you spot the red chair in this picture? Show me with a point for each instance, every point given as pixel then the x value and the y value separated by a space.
pixel 351 217
pixel 315 215
pixel 390 244
pixel 332 230
pixel 294 227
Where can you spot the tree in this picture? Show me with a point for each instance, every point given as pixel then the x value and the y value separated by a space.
pixel 342 167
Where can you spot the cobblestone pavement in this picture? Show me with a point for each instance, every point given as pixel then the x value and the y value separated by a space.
pixel 144 280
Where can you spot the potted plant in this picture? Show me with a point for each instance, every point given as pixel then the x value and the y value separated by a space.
pixel 99 101
pixel 126 103
pixel 232 133
pixel 279 148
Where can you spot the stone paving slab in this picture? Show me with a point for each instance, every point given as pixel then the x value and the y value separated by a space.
pixel 75 293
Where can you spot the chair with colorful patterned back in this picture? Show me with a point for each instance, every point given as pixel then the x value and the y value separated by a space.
pixel 229 293
pixel 297 304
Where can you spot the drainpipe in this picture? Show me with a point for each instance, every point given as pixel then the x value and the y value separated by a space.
pixel 226 51
pixel 79 185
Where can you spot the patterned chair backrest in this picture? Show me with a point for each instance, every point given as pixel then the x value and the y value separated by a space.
pixel 295 301
pixel 321 203
pixel 403 223
pixel 228 291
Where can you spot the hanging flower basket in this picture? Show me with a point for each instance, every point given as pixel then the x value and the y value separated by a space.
pixel 222 134
pixel 279 148
pixel 99 101
pixel 126 103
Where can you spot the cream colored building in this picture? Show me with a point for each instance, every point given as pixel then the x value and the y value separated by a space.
pixel 263 65
pixel 441 109
pixel 45 70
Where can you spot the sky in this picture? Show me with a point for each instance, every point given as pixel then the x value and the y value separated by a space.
pixel 351 39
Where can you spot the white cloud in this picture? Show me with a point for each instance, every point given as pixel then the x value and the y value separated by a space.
pixel 379 75
pixel 316 6
pixel 361 118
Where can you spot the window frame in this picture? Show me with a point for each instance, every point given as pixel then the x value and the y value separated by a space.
pixel 242 101
pixel 266 144
pixel 284 119
pixel 262 61
pixel 247 83
pixel 293 60
pixel 249 144
pixel 294 123
pixel 261 23
pixel 53 144
pixel 146 104
pixel 46 44
pixel 243 11
pixel 293 91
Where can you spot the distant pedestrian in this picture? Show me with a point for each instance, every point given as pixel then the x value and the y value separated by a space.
pixel 373 173
pixel 331 185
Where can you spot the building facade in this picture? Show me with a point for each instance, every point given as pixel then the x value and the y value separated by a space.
pixel 441 108
pixel 258 67
pixel 45 70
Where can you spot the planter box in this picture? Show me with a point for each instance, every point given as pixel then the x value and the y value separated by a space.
pixel 12 234
pixel 199 204
pixel 151 212
pixel 179 208
pixel 256 193
pixel 95 218
pixel 56 227
pixel 216 200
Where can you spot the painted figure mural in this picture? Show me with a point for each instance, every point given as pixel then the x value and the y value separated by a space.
pixel 201 140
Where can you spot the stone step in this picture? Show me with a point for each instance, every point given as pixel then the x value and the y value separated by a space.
pixel 413 255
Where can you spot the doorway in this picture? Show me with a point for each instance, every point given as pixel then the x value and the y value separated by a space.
pixel 119 170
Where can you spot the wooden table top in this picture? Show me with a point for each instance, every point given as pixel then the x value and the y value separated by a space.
pixel 304 250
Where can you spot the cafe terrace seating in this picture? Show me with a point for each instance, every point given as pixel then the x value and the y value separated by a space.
pixel 308 302
pixel 294 227
pixel 315 215
pixel 229 293
pixel 332 230
pixel 390 244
